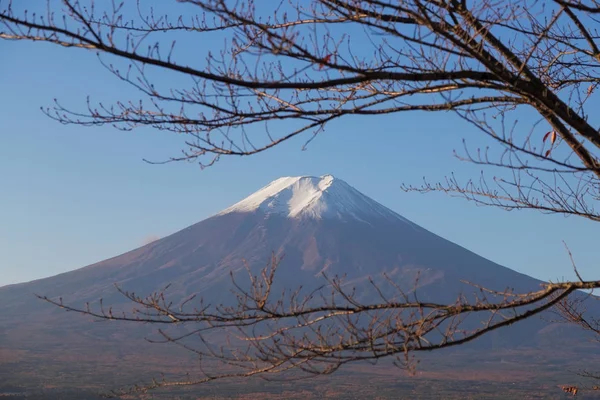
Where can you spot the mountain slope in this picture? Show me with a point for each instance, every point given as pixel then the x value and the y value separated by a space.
pixel 320 225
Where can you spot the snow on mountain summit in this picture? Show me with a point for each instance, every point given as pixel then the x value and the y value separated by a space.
pixel 313 197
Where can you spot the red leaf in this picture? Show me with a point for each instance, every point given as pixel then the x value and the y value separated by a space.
pixel 553 137
pixel 325 60
pixel 546 136
pixel 548 152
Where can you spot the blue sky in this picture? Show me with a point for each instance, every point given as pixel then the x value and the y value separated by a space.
pixel 71 196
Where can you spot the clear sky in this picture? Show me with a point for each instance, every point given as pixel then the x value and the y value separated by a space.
pixel 71 196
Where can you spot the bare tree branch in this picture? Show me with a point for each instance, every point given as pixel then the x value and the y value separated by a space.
pixel 290 69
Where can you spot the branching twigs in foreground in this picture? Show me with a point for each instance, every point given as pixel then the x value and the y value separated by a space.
pixel 575 311
pixel 293 68
pixel 319 332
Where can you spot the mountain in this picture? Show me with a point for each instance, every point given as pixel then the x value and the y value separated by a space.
pixel 320 225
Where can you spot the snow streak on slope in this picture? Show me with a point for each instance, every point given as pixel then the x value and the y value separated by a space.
pixel 313 197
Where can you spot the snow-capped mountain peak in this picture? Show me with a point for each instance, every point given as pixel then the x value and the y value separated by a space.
pixel 312 197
